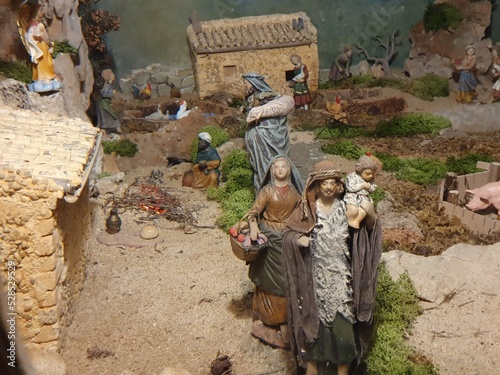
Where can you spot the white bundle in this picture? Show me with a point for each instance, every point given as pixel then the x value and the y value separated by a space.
pixel 275 108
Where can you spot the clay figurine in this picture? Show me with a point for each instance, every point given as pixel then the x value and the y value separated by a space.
pixel 484 197
pixel 359 185
pixel 266 135
pixel 301 93
pixel 36 40
pixel 336 110
pixel 495 73
pixel 107 118
pixel 467 83
pixel 340 68
pixel 330 288
pixel 205 169
pixel 274 203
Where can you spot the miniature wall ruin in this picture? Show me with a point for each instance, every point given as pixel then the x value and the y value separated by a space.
pixel 47 239
pixel 453 196
pixel 160 79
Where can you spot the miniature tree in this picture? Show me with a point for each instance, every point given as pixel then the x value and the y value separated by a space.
pixel 390 53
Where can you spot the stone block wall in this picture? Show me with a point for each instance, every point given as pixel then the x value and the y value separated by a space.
pixel 222 71
pixel 38 231
pixel 160 79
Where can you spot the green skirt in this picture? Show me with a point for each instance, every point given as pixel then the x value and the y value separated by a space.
pixel 334 345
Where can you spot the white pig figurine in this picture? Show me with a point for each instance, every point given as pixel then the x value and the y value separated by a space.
pixel 485 196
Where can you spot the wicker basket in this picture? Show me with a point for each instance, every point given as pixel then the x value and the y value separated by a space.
pixel 248 254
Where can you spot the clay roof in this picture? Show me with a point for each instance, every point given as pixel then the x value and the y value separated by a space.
pixel 270 31
pixel 47 146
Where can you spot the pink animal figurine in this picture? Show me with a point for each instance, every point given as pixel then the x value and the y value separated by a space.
pixel 485 196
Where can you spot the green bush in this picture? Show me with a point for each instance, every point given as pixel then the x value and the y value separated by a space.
pixel 122 147
pixel 441 17
pixel 397 307
pixel 391 163
pixel 345 131
pixel 422 171
pixel 219 137
pixel 239 178
pixel 17 70
pixel 235 207
pixel 217 194
pixel 429 87
pixel 466 164
pixel 411 124
pixel 389 82
pixel 346 149
pixel 236 159
pixel 63 47
pixel 377 196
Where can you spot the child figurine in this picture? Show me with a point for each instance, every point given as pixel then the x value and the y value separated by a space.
pixel 359 185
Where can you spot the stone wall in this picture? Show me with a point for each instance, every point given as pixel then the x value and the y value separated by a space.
pixel 222 71
pixel 47 238
pixel 160 79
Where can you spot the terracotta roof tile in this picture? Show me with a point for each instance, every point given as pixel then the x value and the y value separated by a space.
pixel 270 31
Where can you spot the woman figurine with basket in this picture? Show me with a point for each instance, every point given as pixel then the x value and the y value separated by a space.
pixel 280 194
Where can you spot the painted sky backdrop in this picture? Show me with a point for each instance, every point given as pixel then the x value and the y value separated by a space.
pixel 154 31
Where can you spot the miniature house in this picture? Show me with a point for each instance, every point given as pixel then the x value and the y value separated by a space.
pixel 45 220
pixel 223 50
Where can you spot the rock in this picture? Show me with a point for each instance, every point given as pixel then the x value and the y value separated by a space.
pixel 484 118
pixel 360 69
pixel 159 78
pixel 422 65
pixel 108 184
pixel 164 89
pixel 140 77
pixel 154 69
pixel 48 363
pixel 149 232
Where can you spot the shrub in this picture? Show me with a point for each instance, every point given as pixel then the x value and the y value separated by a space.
pixel 391 163
pixel 346 149
pixel 345 131
pixel 411 124
pixel 122 147
pixel 236 159
pixel 466 164
pixel 63 47
pixel 17 70
pixel 377 196
pixel 429 87
pixel 235 207
pixel 441 16
pixel 239 178
pixel 396 309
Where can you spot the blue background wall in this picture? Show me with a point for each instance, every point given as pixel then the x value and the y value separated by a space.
pixel 154 31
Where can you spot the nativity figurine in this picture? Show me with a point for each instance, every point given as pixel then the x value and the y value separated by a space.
pixel 205 169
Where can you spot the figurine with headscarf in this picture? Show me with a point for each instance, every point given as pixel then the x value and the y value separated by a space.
pixel 267 126
pixel 205 169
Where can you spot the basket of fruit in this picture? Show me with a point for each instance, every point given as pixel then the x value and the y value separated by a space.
pixel 242 245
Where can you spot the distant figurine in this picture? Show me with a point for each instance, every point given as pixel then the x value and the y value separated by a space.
pixel 267 125
pixel 467 83
pixel 484 197
pixel 495 73
pixel 359 185
pixel 142 92
pixel 336 110
pixel 301 93
pixel 205 169
pixel 341 66
pixel 36 40
pixel 107 118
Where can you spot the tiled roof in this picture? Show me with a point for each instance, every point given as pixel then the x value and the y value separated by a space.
pixel 270 31
pixel 46 145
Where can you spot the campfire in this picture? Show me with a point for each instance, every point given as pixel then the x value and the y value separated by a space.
pixel 156 202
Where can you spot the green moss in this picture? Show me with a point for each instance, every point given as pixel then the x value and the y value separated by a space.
pixel 235 160
pixel 411 124
pixel 239 178
pixel 441 17
pixel 466 164
pixel 235 207
pixel 346 149
pixel 18 70
pixel 377 196
pixel 122 147
pixel 391 163
pixel 345 131
pixel 422 171
pixel 397 307
pixel 63 47
pixel 429 87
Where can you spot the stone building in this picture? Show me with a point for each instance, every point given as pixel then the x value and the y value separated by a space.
pixel 45 223
pixel 223 50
